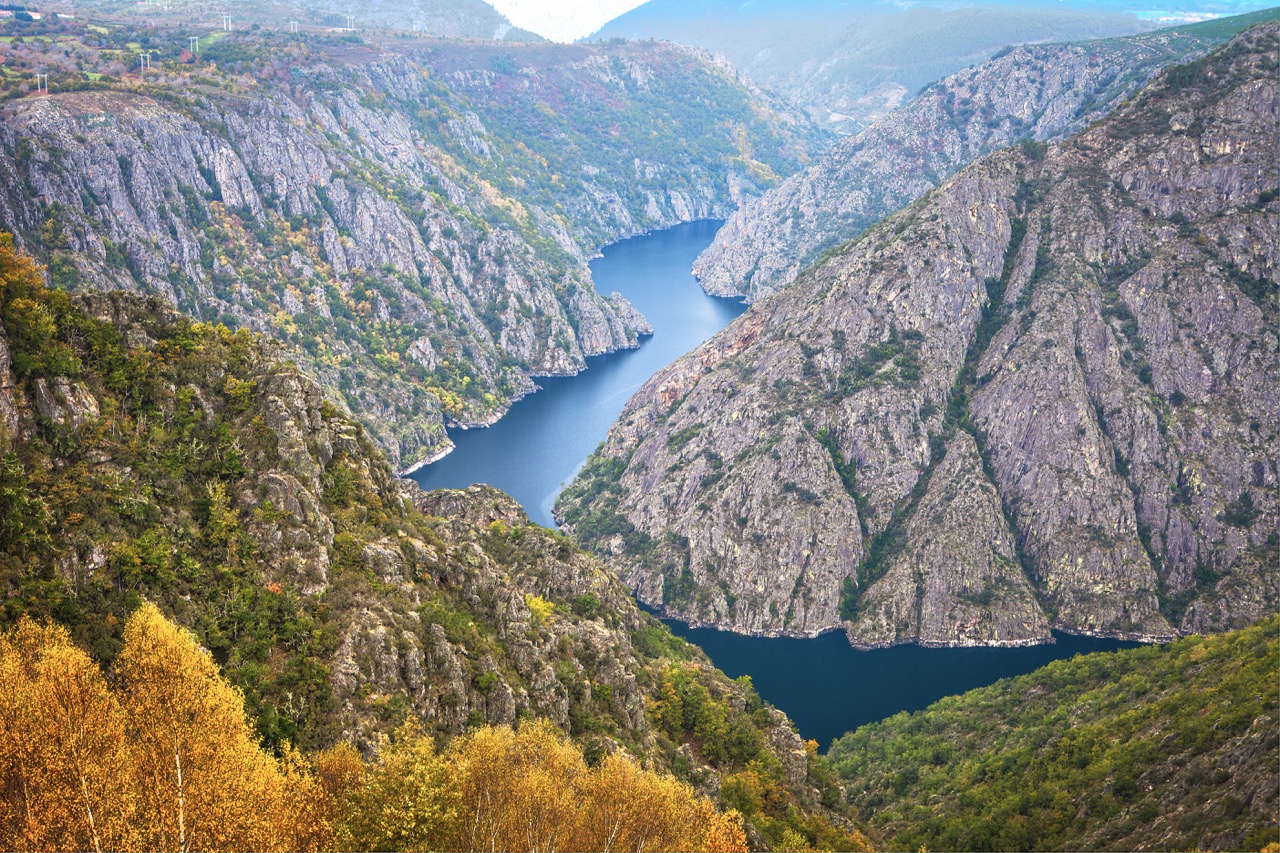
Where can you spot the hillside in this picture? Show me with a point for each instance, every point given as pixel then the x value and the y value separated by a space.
pixel 472 19
pixel 848 64
pixel 1041 397
pixel 412 221
pixel 145 457
pixel 1041 92
pixel 1172 748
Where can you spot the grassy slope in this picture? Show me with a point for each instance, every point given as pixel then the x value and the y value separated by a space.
pixel 1162 747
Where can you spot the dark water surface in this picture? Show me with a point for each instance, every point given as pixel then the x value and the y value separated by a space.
pixel 541 443
pixel 828 687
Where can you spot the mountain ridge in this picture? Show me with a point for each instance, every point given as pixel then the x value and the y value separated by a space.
pixel 1044 302
pixel 377 209
pixel 1041 92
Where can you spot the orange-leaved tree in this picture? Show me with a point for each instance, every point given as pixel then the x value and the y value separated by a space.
pixel 64 760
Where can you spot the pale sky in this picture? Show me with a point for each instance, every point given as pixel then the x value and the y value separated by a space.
pixel 563 20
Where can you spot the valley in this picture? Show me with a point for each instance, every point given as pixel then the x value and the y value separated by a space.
pixel 387 460
pixel 541 443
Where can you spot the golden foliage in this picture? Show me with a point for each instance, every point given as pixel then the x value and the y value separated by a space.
pixel 168 760
pixel 528 789
pixel 64 782
pixel 203 781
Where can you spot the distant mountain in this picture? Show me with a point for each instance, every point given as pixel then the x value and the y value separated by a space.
pixel 849 63
pixel 474 19
pixel 1041 92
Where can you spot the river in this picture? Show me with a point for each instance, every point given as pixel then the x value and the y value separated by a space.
pixel 828 687
pixel 539 445
pixel 825 686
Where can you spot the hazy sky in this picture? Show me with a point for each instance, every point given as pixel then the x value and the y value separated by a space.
pixel 563 20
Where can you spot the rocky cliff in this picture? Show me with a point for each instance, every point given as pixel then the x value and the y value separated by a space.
pixel 147 457
pixel 1040 92
pixel 1040 397
pixel 413 223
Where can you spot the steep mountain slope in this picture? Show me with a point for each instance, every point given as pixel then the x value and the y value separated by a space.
pixel 414 223
pixel 847 64
pixel 1041 92
pixel 145 457
pixel 1171 748
pixel 1068 349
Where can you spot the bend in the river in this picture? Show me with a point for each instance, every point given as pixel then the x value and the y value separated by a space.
pixel 533 451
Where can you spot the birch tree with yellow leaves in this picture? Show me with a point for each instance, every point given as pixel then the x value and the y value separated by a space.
pixel 64 759
pixel 203 782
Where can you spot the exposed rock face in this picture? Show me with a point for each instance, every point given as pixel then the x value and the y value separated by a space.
pixel 1040 92
pixel 1098 317
pixel 958 581
pixel 188 466
pixel 378 215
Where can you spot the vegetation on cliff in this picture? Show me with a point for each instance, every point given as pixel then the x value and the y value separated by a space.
pixel 1156 748
pixel 148 458
pixel 412 218
pixel 162 757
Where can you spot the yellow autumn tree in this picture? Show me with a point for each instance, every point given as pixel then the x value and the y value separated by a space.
pixel 515 788
pixel 531 789
pixel 203 782
pixel 402 802
pixel 64 781
pixel 629 808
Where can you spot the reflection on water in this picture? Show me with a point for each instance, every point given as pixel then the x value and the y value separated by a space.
pixel 828 687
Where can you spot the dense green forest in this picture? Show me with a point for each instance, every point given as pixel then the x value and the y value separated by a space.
pixel 1157 748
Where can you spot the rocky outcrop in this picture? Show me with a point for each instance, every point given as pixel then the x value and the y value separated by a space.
pixel 958 580
pixel 382 213
pixel 1097 316
pixel 1039 92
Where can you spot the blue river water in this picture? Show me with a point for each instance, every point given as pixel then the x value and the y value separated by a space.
pixel 538 446
pixel 824 685
pixel 828 687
